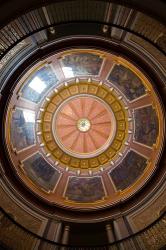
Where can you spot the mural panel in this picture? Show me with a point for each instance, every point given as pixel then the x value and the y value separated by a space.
pixel 146 125
pixel 38 84
pixel 22 129
pixel 129 170
pixel 127 81
pixel 81 64
pixel 82 189
pixel 41 172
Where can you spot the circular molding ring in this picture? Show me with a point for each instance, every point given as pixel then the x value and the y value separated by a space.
pixel 117 133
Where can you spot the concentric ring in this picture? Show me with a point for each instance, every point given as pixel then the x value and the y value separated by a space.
pixel 84 126
pixel 66 105
pixel 120 164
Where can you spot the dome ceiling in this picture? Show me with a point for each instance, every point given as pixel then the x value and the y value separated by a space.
pixel 84 129
pixel 105 125
pixel 83 126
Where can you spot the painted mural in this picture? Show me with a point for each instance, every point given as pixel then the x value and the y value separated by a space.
pixel 22 129
pixel 40 82
pixel 41 172
pixel 81 64
pixel 82 189
pixel 146 125
pixel 127 81
pixel 129 170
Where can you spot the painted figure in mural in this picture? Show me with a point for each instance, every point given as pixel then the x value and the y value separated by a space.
pixel 40 82
pixel 41 172
pixel 129 170
pixel 22 132
pixel 83 63
pixel 85 189
pixel 127 81
pixel 146 125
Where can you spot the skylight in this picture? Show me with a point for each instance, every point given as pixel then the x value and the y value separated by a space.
pixel 68 72
pixel 37 84
pixel 29 116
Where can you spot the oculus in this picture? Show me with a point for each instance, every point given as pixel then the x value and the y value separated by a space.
pixel 83 124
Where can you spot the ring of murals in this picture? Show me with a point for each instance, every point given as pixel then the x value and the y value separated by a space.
pixel 84 129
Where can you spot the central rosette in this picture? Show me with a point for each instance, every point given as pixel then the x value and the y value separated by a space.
pixel 85 126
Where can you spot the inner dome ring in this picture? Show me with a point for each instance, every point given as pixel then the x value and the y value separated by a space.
pixel 109 136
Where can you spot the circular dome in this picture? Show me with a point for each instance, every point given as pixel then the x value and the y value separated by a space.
pixel 107 118
pixel 75 122
pixel 83 129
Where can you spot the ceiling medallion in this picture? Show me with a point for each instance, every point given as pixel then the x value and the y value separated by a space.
pixel 84 137
pixel 84 125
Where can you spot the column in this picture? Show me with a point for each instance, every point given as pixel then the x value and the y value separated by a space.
pixel 52 232
pixel 122 230
pixel 110 234
pixel 58 232
pixel 65 237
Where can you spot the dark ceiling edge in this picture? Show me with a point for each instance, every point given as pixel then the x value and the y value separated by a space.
pixel 12 9
pixel 76 22
pixel 161 216
pixel 55 48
